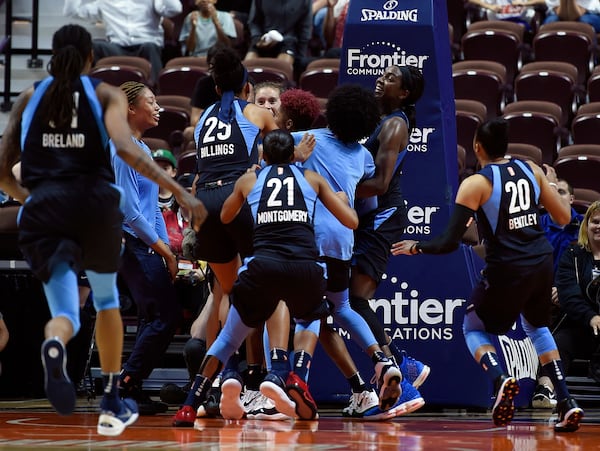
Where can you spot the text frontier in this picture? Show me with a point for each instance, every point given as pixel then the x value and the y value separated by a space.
pixel 360 63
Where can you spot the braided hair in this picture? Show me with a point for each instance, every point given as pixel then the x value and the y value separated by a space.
pixel 132 90
pixel 71 48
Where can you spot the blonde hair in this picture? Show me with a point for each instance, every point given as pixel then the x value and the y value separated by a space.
pixel 583 239
pixel 132 90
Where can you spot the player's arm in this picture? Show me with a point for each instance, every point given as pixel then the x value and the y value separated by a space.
pixel 469 197
pixel 392 137
pixel 336 203
pixel 10 149
pixel 234 202
pixel 558 207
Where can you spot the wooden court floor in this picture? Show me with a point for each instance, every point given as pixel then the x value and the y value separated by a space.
pixel 33 425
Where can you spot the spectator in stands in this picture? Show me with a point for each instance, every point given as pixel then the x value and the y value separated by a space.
pixel 560 238
pixel 205 27
pixel 132 28
pixel 71 202
pixel 587 11
pixel 239 9
pixel 267 94
pixel 333 26
pixel 280 29
pixel 521 11
pixel 149 265
pixel 517 279
pixel 578 284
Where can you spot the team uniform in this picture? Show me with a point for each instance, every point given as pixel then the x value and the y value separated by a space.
pixel 384 225
pixel 518 275
pixel 73 212
pixel 224 152
pixel 283 265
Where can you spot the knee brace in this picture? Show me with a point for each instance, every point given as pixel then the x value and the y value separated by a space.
pixel 540 337
pixel 104 287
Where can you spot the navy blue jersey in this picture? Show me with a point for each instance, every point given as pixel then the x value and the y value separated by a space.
pixel 509 220
pixel 80 149
pixel 393 196
pixel 283 207
pixel 225 151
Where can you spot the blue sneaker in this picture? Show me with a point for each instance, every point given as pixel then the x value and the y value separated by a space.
pixel 414 371
pixel 409 401
pixel 112 423
pixel 60 391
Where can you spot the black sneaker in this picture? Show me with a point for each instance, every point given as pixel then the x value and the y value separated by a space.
pixel 569 415
pixel 210 407
pixel 146 405
pixel 504 409
pixel 543 398
pixel 174 394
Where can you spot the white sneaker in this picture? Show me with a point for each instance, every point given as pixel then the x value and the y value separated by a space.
pixel 264 409
pixel 112 424
pixel 360 403
pixel 388 377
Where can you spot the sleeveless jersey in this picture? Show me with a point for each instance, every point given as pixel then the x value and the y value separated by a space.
pixel 509 221
pixel 81 149
pixel 225 151
pixel 393 196
pixel 283 207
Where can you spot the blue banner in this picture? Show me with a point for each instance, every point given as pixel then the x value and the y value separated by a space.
pixel 422 299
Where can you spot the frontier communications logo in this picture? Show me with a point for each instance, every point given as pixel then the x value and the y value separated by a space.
pixel 373 58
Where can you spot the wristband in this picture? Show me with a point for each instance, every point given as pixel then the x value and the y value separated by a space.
pixel 553 184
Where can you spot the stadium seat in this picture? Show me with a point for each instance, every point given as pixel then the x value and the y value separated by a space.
pixel 583 198
pixel 542 106
pixel 182 102
pixel 571 42
pixel 182 61
pixel 270 69
pixel 131 61
pixel 179 80
pixel 593 85
pixel 538 129
pixel 525 152
pixel 481 84
pixel 172 119
pixel 320 81
pixel 186 162
pixel 156 143
pixel 580 165
pixel 116 75
pixel 478 44
pixel 466 125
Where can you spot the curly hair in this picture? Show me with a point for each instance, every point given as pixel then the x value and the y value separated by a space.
pixel 302 107
pixel 352 112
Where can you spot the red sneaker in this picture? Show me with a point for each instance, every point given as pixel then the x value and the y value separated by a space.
pixel 296 388
pixel 185 417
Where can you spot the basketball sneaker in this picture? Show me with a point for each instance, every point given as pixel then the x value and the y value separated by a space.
pixel 413 370
pixel 543 398
pixel 506 390
pixel 297 390
pixel 569 415
pixel 60 391
pixel 388 377
pixel 361 403
pixel 262 408
pixel 114 423
pixel 230 404
pixel 409 401
pixel 273 388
